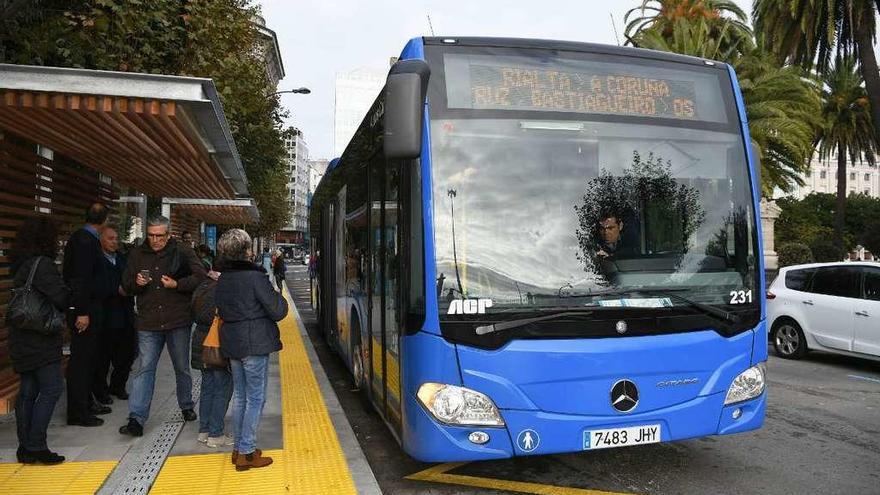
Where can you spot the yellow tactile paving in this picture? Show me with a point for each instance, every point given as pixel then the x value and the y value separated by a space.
pixel 311 461
pixel 213 473
pixel 67 478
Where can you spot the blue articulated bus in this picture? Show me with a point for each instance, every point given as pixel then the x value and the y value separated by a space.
pixel 532 247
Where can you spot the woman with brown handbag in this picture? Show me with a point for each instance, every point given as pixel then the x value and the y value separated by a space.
pixel 216 390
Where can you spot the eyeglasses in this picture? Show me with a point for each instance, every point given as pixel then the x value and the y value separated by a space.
pixel 157 236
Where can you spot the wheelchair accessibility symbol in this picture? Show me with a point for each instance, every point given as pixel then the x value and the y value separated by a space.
pixel 528 440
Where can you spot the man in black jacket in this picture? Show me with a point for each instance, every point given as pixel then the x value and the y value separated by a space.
pixel 162 273
pixel 81 271
pixel 118 337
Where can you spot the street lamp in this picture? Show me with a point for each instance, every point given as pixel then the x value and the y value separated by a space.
pixel 299 91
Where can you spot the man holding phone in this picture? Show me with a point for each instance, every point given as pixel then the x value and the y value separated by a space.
pixel 162 274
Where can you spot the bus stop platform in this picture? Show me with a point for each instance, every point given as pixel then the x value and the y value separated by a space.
pixel 303 429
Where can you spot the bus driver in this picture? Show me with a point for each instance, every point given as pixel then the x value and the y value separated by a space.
pixel 610 228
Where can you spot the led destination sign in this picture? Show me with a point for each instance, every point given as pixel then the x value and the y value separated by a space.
pixel 589 91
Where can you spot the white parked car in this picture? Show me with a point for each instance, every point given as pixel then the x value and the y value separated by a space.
pixel 833 307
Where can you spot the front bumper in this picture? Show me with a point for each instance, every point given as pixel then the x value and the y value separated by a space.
pixel 558 433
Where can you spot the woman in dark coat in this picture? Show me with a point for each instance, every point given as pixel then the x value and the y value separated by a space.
pixel 216 389
pixel 37 357
pixel 249 308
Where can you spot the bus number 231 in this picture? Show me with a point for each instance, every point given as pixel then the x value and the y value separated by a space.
pixel 740 296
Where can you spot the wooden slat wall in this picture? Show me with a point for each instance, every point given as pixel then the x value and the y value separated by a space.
pixel 144 141
pixel 33 186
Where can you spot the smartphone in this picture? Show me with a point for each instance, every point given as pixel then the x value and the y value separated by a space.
pixel 145 274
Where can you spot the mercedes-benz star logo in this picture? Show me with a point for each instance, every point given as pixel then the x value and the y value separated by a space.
pixel 621 327
pixel 624 396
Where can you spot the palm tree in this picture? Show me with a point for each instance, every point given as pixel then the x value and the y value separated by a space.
pixel 782 107
pixel 810 32
pixel 846 129
pixel 696 38
pixel 722 20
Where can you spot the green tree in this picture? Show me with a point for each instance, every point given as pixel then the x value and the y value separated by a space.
pixel 811 221
pixel 846 129
pixel 872 236
pixel 216 39
pixel 861 211
pixel 805 220
pixel 812 32
pixel 794 253
pixel 697 38
pixel 722 21
pixel 782 107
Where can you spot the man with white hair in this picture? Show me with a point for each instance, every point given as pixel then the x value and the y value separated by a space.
pixel 162 273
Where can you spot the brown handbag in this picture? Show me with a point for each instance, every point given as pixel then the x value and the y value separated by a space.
pixel 211 346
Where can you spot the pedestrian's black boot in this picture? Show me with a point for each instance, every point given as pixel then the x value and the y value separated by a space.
pixel 87 421
pixel 189 415
pixel 24 456
pixel 98 409
pixel 48 457
pixel 133 428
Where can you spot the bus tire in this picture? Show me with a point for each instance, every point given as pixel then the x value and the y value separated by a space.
pixel 788 339
pixel 358 366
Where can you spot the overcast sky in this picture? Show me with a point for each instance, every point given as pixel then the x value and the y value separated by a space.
pixel 319 38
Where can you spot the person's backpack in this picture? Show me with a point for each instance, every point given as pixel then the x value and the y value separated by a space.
pixel 30 310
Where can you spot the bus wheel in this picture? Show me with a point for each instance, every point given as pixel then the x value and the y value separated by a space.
pixel 789 340
pixel 358 368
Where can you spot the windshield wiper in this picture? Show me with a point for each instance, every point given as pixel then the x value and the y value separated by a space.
pixel 507 325
pixel 706 309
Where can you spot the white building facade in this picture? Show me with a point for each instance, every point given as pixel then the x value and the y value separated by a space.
pixel 356 91
pixel 822 177
pixel 297 186
pixel 317 168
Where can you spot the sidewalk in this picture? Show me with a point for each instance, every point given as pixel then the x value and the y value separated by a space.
pixel 302 428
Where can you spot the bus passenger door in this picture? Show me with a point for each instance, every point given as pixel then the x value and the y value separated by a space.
pixel 327 275
pixel 384 284
pixel 392 320
pixel 376 364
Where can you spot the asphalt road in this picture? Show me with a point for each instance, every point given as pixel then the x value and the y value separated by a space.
pixel 821 436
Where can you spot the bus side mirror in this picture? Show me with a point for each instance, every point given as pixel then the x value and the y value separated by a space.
pixel 405 91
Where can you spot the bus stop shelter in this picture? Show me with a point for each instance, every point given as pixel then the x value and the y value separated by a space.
pixel 70 137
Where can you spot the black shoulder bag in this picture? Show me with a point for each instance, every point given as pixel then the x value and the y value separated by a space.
pixel 30 310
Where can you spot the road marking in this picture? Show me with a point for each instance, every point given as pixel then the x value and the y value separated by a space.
pixel 866 378
pixel 439 474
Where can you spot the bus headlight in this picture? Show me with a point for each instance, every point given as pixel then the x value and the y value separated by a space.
pixel 459 406
pixel 748 385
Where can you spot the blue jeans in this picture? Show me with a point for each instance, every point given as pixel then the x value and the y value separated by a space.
pixel 214 400
pixel 40 390
pixel 249 378
pixel 149 348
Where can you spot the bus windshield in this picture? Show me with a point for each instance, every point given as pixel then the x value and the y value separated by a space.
pixel 557 179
